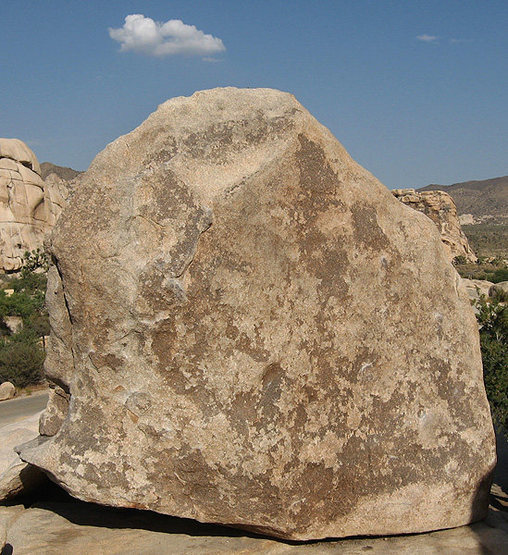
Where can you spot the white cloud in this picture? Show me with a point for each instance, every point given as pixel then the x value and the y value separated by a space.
pixel 143 34
pixel 427 38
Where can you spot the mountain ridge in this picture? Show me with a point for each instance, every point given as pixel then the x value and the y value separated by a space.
pixel 484 199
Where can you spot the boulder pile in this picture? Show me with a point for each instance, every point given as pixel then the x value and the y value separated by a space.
pixel 249 329
pixel 28 207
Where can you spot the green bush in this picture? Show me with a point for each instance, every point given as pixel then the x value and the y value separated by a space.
pixel 493 320
pixel 461 259
pixel 499 275
pixel 21 359
pixel 22 353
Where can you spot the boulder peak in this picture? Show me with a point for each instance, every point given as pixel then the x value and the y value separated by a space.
pixel 17 150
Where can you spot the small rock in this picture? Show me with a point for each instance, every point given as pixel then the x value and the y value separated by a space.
pixel 477 287
pixel 7 391
pixel 14 323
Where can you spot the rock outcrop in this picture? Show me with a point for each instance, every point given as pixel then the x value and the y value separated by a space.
pixel 440 208
pixel 28 207
pixel 254 331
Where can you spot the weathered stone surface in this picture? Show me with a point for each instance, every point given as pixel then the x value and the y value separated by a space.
pixel 477 287
pixel 258 333
pixel 55 413
pixel 18 152
pixel 28 207
pixel 441 209
pixel 7 391
pixel 16 476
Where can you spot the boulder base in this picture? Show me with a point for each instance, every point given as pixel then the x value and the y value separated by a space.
pixel 254 331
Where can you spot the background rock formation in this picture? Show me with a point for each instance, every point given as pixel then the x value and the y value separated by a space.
pixel 483 200
pixel 482 207
pixel 440 208
pixel 28 207
pixel 254 331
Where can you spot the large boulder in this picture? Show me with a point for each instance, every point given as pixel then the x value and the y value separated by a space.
pixel 254 331
pixel 441 209
pixel 28 207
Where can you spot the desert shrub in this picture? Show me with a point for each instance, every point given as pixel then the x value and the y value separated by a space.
pixel 22 353
pixel 498 295
pixel 499 275
pixel 21 359
pixel 493 320
pixel 34 261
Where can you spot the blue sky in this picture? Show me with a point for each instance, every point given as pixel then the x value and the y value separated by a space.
pixel 412 110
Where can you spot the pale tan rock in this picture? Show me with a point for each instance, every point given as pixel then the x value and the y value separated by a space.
pixel 7 391
pixel 18 151
pixel 259 334
pixel 28 207
pixel 441 209
pixel 467 219
pixel 16 476
pixel 13 323
pixel 477 287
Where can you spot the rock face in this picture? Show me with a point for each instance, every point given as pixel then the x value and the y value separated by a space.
pixel 440 208
pixel 28 207
pixel 254 331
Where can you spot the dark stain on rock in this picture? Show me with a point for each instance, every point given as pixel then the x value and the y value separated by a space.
pixel 109 360
pixel 366 228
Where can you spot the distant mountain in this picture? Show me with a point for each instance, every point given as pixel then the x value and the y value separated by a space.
pixel 47 168
pixel 484 199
